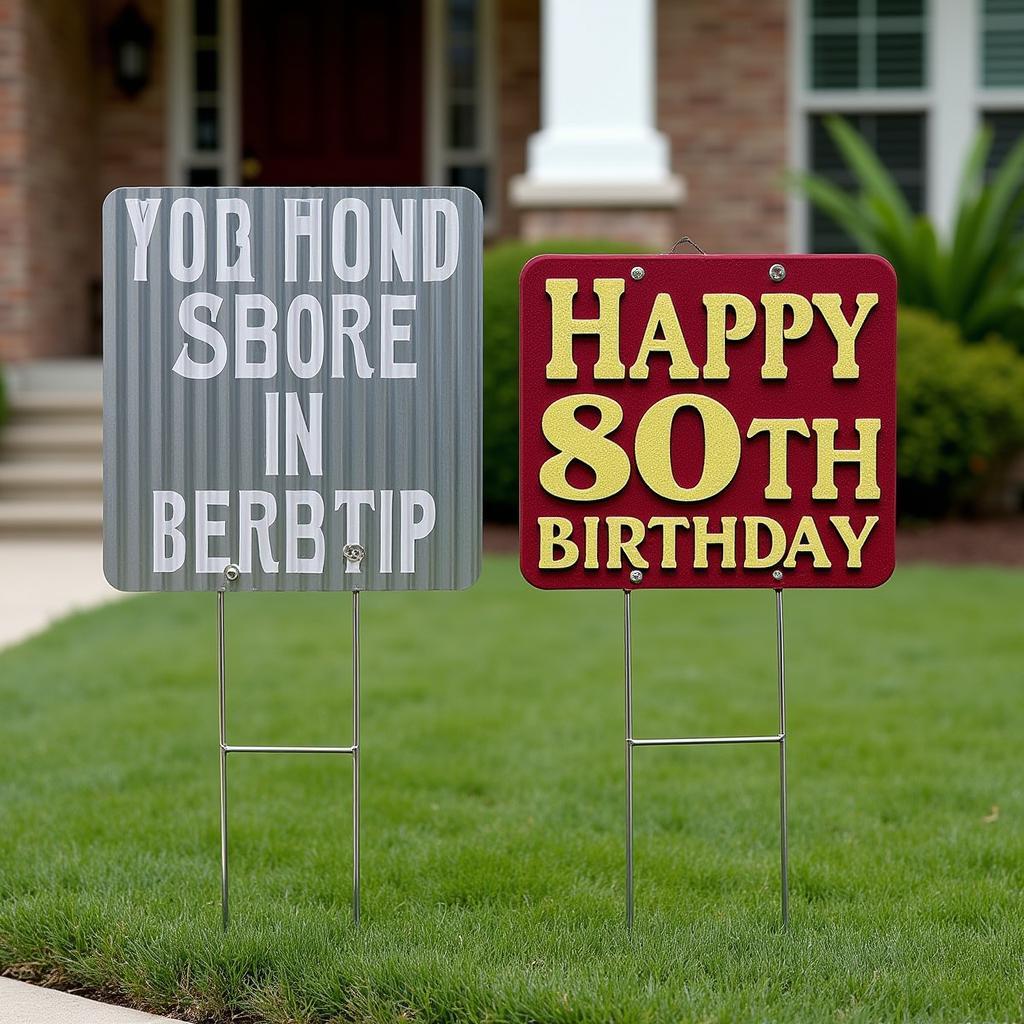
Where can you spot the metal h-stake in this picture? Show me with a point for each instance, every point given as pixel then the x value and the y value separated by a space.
pixel 694 741
pixel 356 714
pixel 627 634
pixel 223 764
pixel 226 748
pixel 780 649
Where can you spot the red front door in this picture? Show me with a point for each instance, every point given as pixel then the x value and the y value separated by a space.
pixel 332 92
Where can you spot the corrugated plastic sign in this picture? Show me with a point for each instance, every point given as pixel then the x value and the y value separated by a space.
pixel 288 371
pixel 707 421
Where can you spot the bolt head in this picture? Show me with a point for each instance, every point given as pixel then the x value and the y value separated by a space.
pixel 777 575
pixel 637 273
pixel 636 576
pixel 777 272
pixel 232 572
pixel 353 552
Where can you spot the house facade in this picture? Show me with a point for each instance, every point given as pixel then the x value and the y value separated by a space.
pixel 639 120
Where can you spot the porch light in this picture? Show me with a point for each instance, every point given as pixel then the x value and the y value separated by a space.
pixel 131 42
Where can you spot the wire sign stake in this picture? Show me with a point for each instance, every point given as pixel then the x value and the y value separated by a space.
pixel 707 421
pixel 632 742
pixel 228 748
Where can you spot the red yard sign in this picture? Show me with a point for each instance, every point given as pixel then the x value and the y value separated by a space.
pixel 707 421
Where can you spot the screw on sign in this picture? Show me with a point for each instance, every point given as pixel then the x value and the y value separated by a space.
pixel 707 422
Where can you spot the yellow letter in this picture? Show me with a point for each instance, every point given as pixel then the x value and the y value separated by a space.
pixel 866 457
pixel 702 539
pixel 831 307
pixel 776 332
pixel 654 449
pixel 715 366
pixel 778 431
pixel 592 447
pixel 590 542
pixel 752 558
pixel 554 530
pixel 668 526
pixel 807 541
pixel 617 547
pixel 853 542
pixel 564 327
pixel 681 366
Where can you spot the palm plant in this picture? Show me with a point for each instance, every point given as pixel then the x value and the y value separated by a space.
pixel 976 277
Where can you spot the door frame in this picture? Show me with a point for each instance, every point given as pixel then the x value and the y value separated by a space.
pixel 227 158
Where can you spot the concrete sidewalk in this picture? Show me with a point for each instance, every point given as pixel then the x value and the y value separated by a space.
pixel 43 579
pixel 28 1004
pixel 40 581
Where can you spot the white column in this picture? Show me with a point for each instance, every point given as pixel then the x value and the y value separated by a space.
pixel 598 143
pixel 953 72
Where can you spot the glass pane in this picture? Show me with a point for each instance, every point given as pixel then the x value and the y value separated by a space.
pixel 206 17
pixel 472 177
pixel 898 139
pixel 204 176
pixel 1003 57
pixel 899 8
pixel 207 134
pixel 835 8
pixel 834 63
pixel 900 60
pixel 462 15
pixel 1004 7
pixel 1007 130
pixel 462 133
pixel 462 65
pixel 206 71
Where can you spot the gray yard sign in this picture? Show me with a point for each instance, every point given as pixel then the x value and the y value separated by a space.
pixel 287 372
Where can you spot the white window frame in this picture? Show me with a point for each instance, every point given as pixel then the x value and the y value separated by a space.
pixel 952 101
pixel 440 155
pixel 182 154
pixel 226 159
pixel 991 99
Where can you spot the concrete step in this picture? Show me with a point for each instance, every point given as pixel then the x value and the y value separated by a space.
pixel 44 478
pixel 47 439
pixel 61 375
pixel 51 518
pixel 57 407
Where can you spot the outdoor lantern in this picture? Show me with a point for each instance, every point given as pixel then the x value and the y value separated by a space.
pixel 131 40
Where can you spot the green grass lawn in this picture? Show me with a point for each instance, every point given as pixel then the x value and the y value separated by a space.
pixel 493 806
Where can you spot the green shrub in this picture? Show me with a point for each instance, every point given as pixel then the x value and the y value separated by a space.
pixel 976 277
pixel 961 417
pixel 502 265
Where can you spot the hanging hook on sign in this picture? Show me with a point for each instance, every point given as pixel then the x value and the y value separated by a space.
pixel 686 240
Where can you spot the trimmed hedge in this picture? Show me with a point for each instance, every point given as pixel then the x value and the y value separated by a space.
pixel 961 418
pixel 502 265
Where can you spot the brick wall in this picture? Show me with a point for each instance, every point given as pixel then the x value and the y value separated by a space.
pixel 132 133
pixel 67 136
pixel 13 220
pixel 723 75
pixel 59 176
pixel 518 88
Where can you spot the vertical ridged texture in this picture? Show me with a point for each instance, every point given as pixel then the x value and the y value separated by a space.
pixel 162 431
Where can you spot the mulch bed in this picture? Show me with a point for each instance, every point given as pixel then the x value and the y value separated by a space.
pixel 986 542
